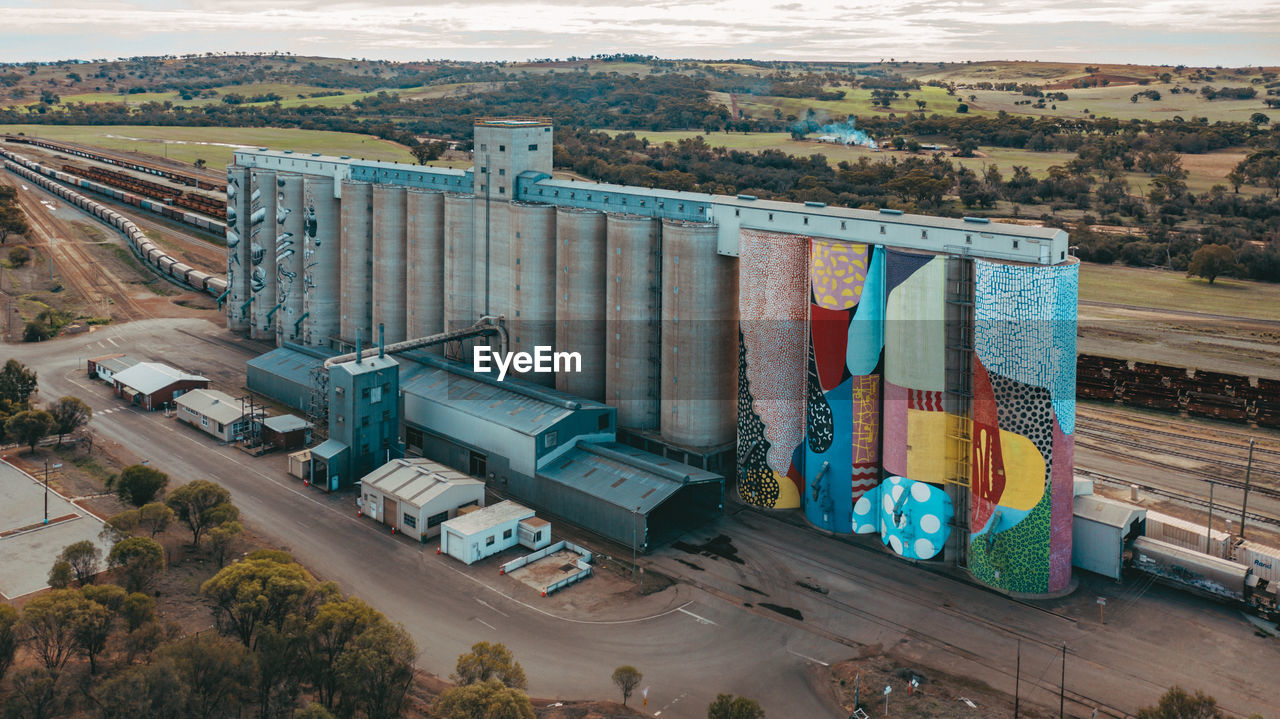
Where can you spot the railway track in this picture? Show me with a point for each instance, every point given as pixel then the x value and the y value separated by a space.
pixel 1091 412
pixel 74 263
pixel 1232 510
pixel 1261 468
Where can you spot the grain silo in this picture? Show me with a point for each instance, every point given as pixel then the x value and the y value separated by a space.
pixel 289 240
pixel 357 262
pixel 580 298
pixel 238 192
pixel 633 319
pixel 388 257
pixel 459 258
pixel 321 262
pixel 424 250
pixel 533 281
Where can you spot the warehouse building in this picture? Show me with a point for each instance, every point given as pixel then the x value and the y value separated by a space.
pixel 496 528
pixel 152 385
pixel 217 414
pixel 416 496
pixel 814 350
pixel 286 375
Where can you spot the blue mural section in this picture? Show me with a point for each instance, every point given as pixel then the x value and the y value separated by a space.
pixel 912 518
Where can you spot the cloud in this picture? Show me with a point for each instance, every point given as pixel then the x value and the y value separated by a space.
pixel 1084 30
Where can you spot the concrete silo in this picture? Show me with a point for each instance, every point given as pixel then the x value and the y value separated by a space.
pixel 580 298
pixel 388 257
pixel 262 256
pixel 459 260
pixel 238 193
pixel 633 319
pixel 357 262
pixel 424 249
pixel 699 337
pixel 321 262
pixel 533 281
pixel 289 239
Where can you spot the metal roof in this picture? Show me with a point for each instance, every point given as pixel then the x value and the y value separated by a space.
pixel 492 516
pixel 285 423
pixel 217 406
pixel 1107 511
pixel 416 481
pixel 148 377
pixel 288 363
pixel 623 476
pixel 328 449
pixel 494 403
pixel 118 363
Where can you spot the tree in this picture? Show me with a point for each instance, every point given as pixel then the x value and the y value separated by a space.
pixel 139 484
pixel 12 222
pixel 48 625
pixel 17 382
pixel 313 711
pixel 376 670
pixel 8 637
pixel 60 575
pixel 19 256
pixel 221 539
pixel 335 625
pixel 1258 118
pixel 217 672
pixel 1212 260
pixel 29 427
pixel 487 700
pixel 154 691
pixel 489 661
pixel 83 556
pixel 120 526
pixel 257 592
pixel 627 678
pixel 195 502
pixel 726 706
pixel 37 694
pixel 69 414
pixel 155 517
pixel 139 560
pixel 90 628
pixel 962 108
pixel 138 609
pixel 1177 703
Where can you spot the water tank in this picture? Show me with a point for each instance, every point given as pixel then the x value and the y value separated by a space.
pixel 533 282
pixel 424 247
pixel 633 302
pixel 389 262
pixel 580 298
pixel 237 248
pixel 321 262
pixel 357 265
pixel 459 245
pixel 262 255
pixel 289 240
pixel 699 337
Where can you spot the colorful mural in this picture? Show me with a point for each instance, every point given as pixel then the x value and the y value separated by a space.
pixel 912 518
pixel 773 312
pixel 1023 420
pixel 846 346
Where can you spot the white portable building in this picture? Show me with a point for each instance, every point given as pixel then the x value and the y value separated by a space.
pixel 485 532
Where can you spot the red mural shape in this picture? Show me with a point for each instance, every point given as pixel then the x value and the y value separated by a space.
pixel 1063 478
pixel 830 332
pixel 987 479
pixel 924 399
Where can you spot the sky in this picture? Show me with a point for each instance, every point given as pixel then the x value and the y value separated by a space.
pixel 1189 32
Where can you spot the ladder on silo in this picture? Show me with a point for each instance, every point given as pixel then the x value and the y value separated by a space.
pixel 958 397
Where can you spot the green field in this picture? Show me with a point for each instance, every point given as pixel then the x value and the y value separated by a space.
pixel 214 145
pixel 1161 289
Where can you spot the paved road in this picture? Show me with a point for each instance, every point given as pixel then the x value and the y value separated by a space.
pixel 701 637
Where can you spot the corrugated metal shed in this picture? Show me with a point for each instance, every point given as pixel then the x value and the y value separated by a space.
pixel 415 481
pixel 1100 531
pixel 284 374
pixel 285 423
pixel 508 408
pixel 623 476
pixel 149 377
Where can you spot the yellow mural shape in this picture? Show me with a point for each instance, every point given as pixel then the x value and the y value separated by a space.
pixel 1023 472
pixel 788 494
pixel 927 445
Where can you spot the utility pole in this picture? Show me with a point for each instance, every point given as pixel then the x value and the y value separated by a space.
pixel 634 518
pixel 1062 684
pixel 1017 682
pixel 46 491
pixel 1208 532
pixel 1248 470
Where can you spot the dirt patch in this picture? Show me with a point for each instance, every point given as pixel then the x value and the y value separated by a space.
pixel 784 611
pixel 937 696
pixel 721 547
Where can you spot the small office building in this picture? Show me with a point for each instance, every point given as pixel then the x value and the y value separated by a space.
pixel 152 385
pixel 215 413
pixel 106 366
pixel 417 496
pixel 485 532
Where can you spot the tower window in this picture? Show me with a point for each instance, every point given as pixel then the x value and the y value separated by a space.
pixel 533 148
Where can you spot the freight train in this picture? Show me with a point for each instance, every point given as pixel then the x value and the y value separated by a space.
pixel 160 208
pixel 156 191
pixel 138 241
pixel 183 178
pixel 1235 583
